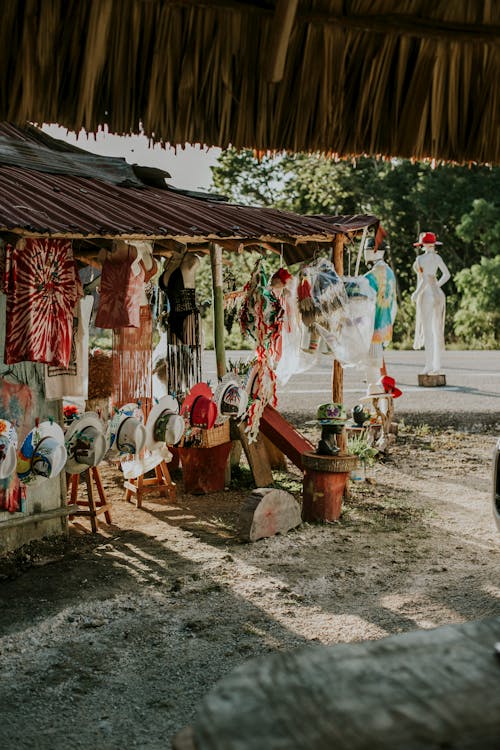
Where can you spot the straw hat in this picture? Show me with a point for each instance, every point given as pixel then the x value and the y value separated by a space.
pixel 8 448
pixel 230 397
pixel 164 424
pixel 199 408
pixel 85 443
pixel 386 387
pixel 42 455
pixel 126 432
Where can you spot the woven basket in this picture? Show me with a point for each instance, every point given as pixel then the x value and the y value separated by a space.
pixel 216 436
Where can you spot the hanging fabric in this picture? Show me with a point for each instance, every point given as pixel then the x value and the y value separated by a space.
pixel 261 317
pixel 73 380
pixel 42 287
pixel 121 288
pixel 182 345
pixel 132 363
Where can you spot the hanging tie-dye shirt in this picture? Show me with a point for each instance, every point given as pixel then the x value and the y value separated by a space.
pixel 381 278
pixel 42 288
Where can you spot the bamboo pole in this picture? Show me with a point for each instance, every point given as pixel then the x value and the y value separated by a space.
pixel 338 372
pixel 218 294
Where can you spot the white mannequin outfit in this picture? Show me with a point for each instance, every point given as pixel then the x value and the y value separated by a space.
pixel 430 303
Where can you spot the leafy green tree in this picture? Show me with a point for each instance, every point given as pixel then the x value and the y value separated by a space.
pixel 477 319
pixel 408 197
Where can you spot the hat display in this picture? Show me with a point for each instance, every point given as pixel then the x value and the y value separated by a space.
pixel 42 455
pixel 199 408
pixel 359 415
pixel 330 413
pixel 426 238
pixel 389 385
pixel 385 387
pixel 126 431
pixel 85 443
pixel 230 397
pixel 164 424
pixel 8 448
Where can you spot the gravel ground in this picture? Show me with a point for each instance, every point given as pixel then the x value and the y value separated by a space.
pixel 110 641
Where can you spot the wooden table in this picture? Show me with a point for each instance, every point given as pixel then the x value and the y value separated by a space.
pixel 424 690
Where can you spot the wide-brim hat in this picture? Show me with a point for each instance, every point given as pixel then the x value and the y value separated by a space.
pixel 85 443
pixel 230 397
pixel 389 385
pixel 199 407
pixel 131 436
pixel 426 238
pixel 8 448
pixel 137 441
pixel 42 455
pixel 330 413
pixel 157 423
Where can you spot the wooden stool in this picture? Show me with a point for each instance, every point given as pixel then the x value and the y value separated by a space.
pixel 161 483
pixel 93 507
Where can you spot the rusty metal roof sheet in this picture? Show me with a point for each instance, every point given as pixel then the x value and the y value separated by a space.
pixel 62 205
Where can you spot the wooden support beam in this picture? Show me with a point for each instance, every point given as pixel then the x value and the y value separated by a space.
pixel 281 29
pixel 220 352
pixel 338 372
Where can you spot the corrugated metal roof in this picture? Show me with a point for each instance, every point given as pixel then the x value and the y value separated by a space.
pixel 27 154
pixel 62 205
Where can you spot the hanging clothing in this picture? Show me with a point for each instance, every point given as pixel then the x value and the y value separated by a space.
pixel 184 340
pixel 382 279
pixel 73 381
pixel 121 293
pixel 42 287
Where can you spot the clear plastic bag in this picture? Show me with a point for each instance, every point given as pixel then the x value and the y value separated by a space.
pixel 349 336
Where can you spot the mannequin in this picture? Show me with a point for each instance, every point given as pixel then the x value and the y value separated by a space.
pixel 430 302
pixel 382 279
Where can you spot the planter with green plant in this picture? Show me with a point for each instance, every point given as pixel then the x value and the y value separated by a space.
pixel 366 452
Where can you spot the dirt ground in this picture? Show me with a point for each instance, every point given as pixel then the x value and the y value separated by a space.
pixel 110 641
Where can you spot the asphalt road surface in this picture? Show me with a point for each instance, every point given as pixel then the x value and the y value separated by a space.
pixel 470 400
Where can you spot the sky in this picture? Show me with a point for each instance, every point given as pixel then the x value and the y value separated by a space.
pixel 189 166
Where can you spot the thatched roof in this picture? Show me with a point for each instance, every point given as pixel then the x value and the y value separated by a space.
pixel 411 78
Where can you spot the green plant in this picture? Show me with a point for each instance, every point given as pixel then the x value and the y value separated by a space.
pixel 360 447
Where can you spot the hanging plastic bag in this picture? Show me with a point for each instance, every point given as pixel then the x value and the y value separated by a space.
pixel 296 354
pixel 350 341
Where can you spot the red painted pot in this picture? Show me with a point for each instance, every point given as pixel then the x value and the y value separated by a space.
pixel 204 469
pixel 322 495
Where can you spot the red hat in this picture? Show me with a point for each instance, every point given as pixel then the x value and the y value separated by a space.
pixel 426 238
pixel 203 413
pixel 200 407
pixel 389 385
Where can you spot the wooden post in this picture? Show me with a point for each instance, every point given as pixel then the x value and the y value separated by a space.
pixel 220 353
pixel 338 372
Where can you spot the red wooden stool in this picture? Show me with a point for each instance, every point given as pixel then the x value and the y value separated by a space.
pixel 89 507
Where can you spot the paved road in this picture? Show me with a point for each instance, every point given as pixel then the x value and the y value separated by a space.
pixel 470 399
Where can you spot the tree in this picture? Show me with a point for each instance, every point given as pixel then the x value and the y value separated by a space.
pixel 408 197
pixel 477 319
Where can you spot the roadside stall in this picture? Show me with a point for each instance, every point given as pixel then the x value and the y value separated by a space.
pixel 76 211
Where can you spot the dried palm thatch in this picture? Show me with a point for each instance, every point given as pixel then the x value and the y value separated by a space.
pixel 411 78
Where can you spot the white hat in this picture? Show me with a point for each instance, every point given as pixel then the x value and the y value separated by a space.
pixel 42 455
pixel 126 432
pixel 164 425
pixel 8 448
pixel 231 397
pixel 85 443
